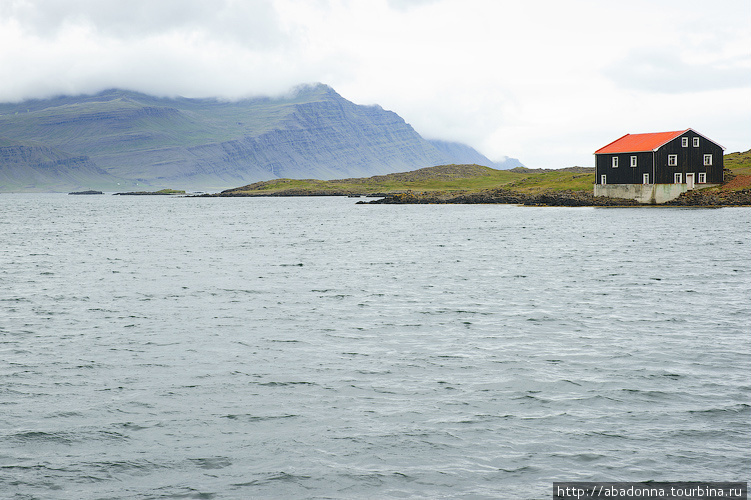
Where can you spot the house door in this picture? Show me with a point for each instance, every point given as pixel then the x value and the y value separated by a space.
pixel 690 181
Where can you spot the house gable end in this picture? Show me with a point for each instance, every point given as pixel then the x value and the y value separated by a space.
pixel 706 138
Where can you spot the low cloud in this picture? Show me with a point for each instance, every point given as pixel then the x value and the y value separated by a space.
pixel 667 72
pixel 253 23
pixel 540 80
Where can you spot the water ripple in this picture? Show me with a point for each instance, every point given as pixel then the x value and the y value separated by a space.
pixel 302 348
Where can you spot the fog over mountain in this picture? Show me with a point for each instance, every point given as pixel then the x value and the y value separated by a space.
pixel 118 138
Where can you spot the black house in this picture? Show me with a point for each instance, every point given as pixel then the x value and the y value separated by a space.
pixel 684 157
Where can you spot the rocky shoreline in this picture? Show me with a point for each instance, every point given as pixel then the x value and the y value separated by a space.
pixel 508 197
pixel 696 198
pixel 708 198
pixel 232 193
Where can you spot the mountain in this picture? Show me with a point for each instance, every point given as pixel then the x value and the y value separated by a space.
pixel 464 154
pixel 211 144
pixel 31 166
pixel 508 164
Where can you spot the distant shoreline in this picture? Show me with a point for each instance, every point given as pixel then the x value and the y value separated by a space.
pixel 162 192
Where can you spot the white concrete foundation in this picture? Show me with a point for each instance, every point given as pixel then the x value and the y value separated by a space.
pixel 651 194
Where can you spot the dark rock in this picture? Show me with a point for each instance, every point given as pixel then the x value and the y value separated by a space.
pixel 506 196
pixel 713 198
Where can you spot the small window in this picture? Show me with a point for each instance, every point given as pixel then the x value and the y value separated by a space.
pixel 673 160
pixel 696 142
pixel 707 160
pixel 684 142
pixel 645 179
pixel 702 177
pixel 615 162
pixel 678 178
pixel 603 179
pixel 633 161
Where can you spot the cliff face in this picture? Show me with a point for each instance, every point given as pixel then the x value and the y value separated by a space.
pixel 324 140
pixel 210 144
pixel 35 167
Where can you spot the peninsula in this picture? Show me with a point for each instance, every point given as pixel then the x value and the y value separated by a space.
pixel 472 184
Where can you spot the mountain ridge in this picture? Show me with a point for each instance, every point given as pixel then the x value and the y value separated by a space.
pixel 212 144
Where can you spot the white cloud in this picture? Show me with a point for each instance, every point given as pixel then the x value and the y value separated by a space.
pixel 542 80
pixel 252 22
pixel 665 71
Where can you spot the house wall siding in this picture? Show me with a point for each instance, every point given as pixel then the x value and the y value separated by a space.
pixel 690 160
pixel 625 173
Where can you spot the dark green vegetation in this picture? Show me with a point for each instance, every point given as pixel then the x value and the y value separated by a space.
pixel 118 139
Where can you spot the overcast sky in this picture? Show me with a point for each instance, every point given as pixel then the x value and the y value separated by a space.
pixel 545 81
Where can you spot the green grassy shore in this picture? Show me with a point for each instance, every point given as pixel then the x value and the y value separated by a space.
pixel 477 184
pixel 446 179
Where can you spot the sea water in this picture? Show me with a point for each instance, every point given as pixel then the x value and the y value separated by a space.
pixel 231 348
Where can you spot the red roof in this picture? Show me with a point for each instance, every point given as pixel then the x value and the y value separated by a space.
pixel 635 143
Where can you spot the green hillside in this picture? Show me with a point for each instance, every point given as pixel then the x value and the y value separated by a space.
pixel 739 165
pixel 466 179
pixel 454 179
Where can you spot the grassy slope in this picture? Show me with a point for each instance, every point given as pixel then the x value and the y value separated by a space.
pixel 740 166
pixel 445 178
pixel 441 178
pixel 468 179
pixel 739 163
pixel 555 180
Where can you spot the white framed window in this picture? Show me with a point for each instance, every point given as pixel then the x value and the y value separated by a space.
pixel 696 142
pixel 684 142
pixel 645 179
pixel 678 178
pixel 702 177
pixel 614 162
pixel 672 160
pixel 633 161
pixel 707 160
pixel 603 179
